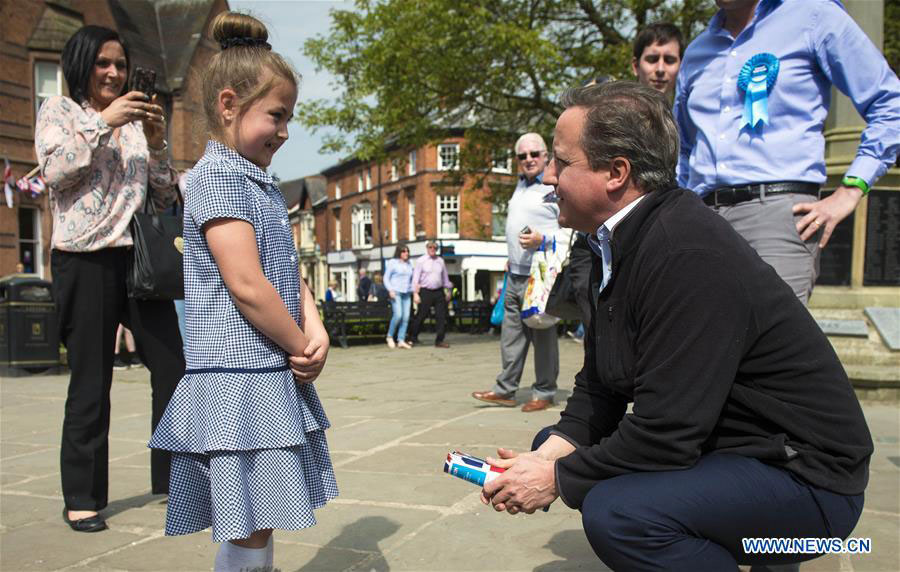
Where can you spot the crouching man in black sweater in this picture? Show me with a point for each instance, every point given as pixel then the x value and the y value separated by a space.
pixel 744 424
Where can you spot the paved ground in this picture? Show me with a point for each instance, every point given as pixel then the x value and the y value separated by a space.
pixel 394 415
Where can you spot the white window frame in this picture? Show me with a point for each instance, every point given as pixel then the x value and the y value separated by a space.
pixel 502 165
pixel 359 182
pixel 337 229
pixel 40 97
pixel 360 217
pixel 307 231
pixel 395 217
pixel 447 204
pixel 337 190
pixel 368 179
pixel 411 163
pixel 38 262
pixel 497 210
pixel 442 163
pixel 395 170
pixel 411 219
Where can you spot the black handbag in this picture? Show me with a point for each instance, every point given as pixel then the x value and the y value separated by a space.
pixel 155 269
pixel 562 301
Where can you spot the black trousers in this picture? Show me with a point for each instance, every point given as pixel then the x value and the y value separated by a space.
pixel 431 297
pixel 91 299
pixel 698 518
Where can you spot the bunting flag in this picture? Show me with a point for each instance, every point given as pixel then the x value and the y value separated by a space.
pixel 33 185
pixel 7 183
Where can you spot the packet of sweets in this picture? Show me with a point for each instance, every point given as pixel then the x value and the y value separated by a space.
pixel 470 468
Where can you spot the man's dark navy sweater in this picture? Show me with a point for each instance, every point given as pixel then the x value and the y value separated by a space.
pixel 716 353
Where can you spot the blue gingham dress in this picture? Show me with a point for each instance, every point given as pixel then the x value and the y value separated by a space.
pixel 248 442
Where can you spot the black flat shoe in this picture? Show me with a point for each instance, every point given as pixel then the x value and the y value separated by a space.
pixel 90 524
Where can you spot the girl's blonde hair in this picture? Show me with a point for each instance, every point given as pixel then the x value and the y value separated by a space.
pixel 241 65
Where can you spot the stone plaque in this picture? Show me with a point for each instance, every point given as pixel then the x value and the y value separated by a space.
pixel 882 263
pixel 887 322
pixel 853 328
pixel 834 261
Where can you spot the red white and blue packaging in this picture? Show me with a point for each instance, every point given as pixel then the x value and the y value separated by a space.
pixel 469 468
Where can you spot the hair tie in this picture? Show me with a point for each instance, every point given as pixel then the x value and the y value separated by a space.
pixel 246 41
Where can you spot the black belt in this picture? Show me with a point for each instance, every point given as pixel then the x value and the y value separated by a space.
pixel 726 196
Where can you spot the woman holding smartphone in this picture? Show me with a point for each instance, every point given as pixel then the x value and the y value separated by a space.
pixel 102 152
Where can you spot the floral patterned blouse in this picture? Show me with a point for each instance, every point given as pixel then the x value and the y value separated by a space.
pixel 96 181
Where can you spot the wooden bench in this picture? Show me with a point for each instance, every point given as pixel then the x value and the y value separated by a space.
pixel 470 317
pixel 355 320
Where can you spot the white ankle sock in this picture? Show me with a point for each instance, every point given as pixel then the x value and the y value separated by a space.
pixel 234 558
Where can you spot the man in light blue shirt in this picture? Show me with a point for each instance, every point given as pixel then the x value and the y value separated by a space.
pixel 752 142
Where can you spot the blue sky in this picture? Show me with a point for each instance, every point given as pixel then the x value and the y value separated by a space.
pixel 290 23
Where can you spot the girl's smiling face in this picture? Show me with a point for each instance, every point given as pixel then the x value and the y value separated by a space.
pixel 261 129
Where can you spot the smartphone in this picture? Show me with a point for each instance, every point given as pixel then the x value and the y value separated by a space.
pixel 144 80
pixel 525 230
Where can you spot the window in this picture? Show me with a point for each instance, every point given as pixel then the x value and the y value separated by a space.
pixel 30 240
pixel 337 190
pixel 411 164
pixel 47 83
pixel 368 179
pixel 395 170
pixel 448 216
pixel 498 221
pixel 362 225
pixel 307 231
pixel 448 156
pixel 359 183
pixel 337 229
pixel 394 220
pixel 502 163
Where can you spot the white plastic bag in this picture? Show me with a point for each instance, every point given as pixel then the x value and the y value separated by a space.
pixel 546 263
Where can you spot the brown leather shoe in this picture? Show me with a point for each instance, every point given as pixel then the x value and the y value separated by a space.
pixel 442 345
pixel 493 398
pixel 536 405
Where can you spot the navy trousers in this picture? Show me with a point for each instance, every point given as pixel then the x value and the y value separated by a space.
pixel 694 519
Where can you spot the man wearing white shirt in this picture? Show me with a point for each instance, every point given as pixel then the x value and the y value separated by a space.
pixel 530 223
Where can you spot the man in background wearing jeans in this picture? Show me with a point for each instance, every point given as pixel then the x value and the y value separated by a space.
pixel 431 287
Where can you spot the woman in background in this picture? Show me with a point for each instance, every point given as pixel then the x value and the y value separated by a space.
pixel 398 281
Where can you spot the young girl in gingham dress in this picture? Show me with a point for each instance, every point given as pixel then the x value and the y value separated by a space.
pixel 245 426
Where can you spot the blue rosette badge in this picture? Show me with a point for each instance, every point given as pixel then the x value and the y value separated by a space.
pixel 757 78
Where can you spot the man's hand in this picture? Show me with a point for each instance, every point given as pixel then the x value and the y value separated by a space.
pixel 448 294
pixel 531 240
pixel 528 484
pixel 827 212
pixel 416 298
pixel 391 294
pixel 306 368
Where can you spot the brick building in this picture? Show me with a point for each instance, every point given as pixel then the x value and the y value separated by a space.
pixel 166 35
pixel 302 197
pixel 412 197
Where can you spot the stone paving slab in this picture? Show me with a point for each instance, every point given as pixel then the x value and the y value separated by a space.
pixel 394 417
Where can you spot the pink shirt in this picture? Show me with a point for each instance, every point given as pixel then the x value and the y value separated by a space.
pixel 430 273
pixel 96 181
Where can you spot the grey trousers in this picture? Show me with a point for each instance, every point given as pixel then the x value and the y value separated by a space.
pixel 768 224
pixel 514 340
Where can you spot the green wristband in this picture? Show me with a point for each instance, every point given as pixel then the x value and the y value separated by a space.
pixel 856 182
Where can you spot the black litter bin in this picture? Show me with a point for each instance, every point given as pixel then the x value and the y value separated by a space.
pixel 29 335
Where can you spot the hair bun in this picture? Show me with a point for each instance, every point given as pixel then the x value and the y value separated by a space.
pixel 230 29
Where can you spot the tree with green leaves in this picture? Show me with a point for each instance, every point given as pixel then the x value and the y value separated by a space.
pixel 407 70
